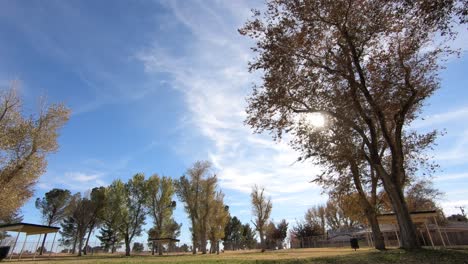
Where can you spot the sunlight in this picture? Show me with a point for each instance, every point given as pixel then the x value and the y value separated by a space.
pixel 314 119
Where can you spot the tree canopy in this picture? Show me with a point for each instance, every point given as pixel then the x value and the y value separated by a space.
pixel 25 143
pixel 363 65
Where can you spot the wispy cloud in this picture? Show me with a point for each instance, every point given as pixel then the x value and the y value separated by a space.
pixel 451 176
pixel 75 181
pixel 458 115
pixel 455 153
pixel 213 77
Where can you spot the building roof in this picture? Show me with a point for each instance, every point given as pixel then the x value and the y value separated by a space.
pixel 29 229
pixel 417 217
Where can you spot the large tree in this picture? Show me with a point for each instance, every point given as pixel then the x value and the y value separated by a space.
pixel 364 65
pixel 53 207
pixel 69 230
pixel 124 212
pixel 197 192
pixel 25 143
pixel 161 206
pixel 261 210
pixel 134 211
pixel 96 207
pixel 83 216
pixel 111 217
pixel 316 216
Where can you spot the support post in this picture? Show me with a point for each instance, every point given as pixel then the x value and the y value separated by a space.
pixel 22 249
pixel 448 240
pixel 14 245
pixel 52 247
pixel 422 235
pixel 438 229
pixel 35 249
pixel 397 237
pixel 429 233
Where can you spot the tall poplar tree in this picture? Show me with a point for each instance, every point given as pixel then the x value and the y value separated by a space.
pixel 261 210
pixel 161 206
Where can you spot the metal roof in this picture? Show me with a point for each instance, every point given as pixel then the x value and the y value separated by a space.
pixel 417 217
pixel 29 229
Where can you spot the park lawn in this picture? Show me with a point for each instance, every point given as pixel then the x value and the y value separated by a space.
pixel 300 256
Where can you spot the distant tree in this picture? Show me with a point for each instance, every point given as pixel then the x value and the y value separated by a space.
pixel 112 213
pixel 25 143
pixel 422 196
pixel 281 232
pixel 68 231
pixel 261 210
pixel 53 208
pixel 134 212
pixel 160 205
pixel 337 217
pixel 138 247
pixel 184 248
pixel 316 216
pixel 97 203
pixel 109 237
pixel 83 215
pixel 233 234
pixel 276 234
pixel 217 221
pixel 248 240
pixel 173 231
pixel 197 192
pixel 364 65
pixel 303 230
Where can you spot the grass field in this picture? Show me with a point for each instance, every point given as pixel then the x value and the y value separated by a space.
pixel 316 255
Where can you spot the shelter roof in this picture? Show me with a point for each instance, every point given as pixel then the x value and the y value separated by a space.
pixel 417 217
pixel 29 229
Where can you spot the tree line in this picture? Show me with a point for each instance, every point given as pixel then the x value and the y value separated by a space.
pixel 121 209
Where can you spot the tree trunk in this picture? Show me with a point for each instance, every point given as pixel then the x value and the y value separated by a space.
pixel 194 244
pixel 262 241
pixel 127 246
pixel 80 245
pixel 87 239
pixel 376 233
pixel 408 236
pixel 369 208
pixel 152 248
pixel 203 242
pixel 74 245
pixel 212 246
pixel 43 244
pixel 160 249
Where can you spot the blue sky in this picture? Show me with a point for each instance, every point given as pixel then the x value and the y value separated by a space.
pixel 156 85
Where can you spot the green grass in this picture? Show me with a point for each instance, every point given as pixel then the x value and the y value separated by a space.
pixel 299 256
